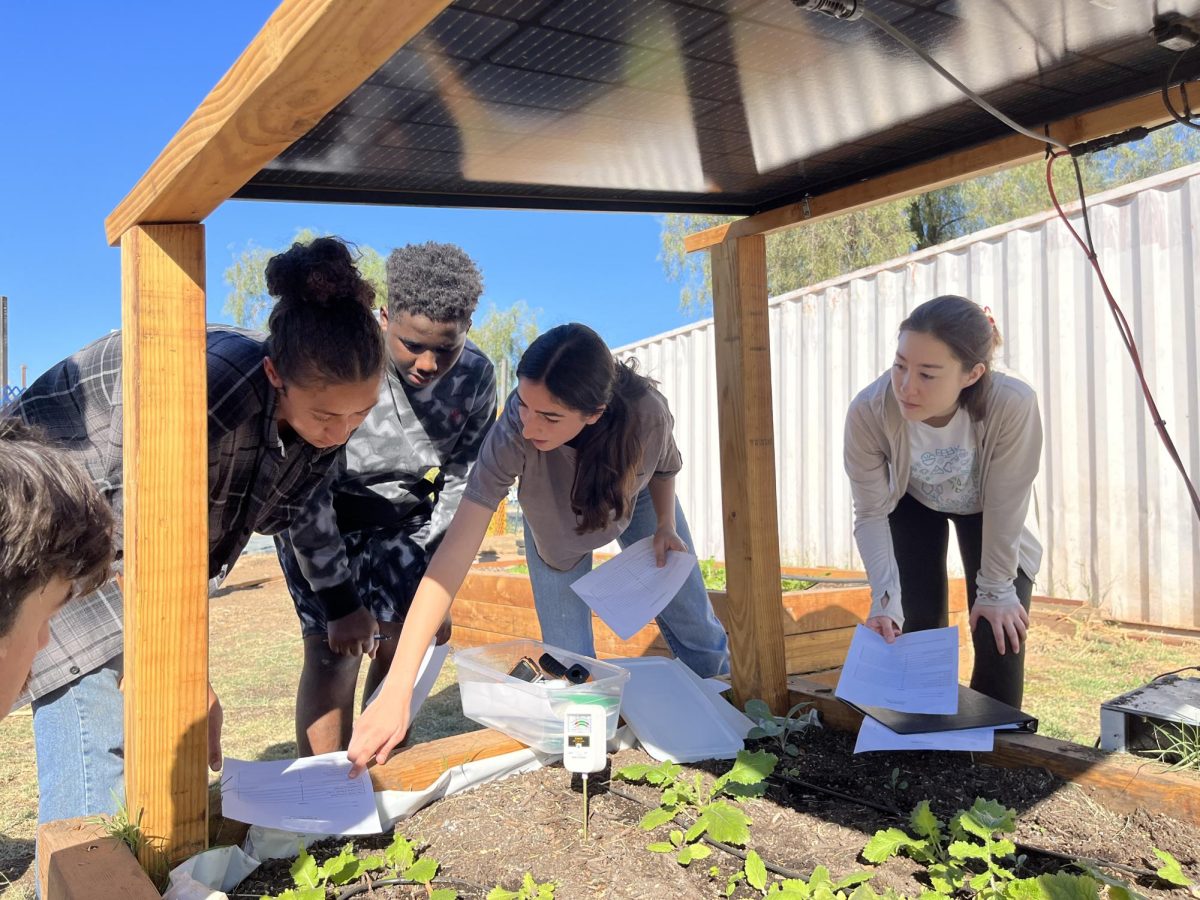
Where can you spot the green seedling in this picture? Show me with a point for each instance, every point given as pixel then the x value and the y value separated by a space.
pixel 715 817
pixel 1179 746
pixel 399 860
pixel 767 725
pixel 530 889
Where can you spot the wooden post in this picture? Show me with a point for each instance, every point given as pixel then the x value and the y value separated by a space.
pixel 747 441
pixel 166 536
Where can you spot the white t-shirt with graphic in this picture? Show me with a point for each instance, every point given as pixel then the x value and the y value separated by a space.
pixel 945 465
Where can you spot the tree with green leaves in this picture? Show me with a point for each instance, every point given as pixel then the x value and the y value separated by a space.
pixel 813 252
pixel 248 302
pixel 503 335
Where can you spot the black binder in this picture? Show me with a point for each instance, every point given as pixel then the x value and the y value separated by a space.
pixel 975 710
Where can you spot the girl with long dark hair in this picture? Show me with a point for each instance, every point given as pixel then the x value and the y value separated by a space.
pixel 943 438
pixel 590 441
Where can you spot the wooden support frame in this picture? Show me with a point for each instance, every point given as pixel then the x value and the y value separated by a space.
pixel 747 442
pixel 166 535
pixel 309 56
pixel 1000 154
pixel 77 861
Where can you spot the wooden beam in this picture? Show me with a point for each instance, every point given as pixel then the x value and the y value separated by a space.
pixel 1122 783
pixel 999 154
pixel 308 57
pixel 166 534
pixel 747 444
pixel 76 861
pixel 416 768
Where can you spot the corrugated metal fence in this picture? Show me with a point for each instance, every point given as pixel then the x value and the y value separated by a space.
pixel 1118 527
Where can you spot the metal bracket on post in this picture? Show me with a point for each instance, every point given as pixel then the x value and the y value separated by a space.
pixel 806 207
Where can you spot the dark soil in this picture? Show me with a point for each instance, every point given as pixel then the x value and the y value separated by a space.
pixel 497 832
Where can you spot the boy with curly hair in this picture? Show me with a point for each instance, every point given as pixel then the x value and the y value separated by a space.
pixel 357 553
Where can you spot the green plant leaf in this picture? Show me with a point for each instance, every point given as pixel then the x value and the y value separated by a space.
pixel 423 870
pixel 725 823
pixel 980 881
pixel 756 871
pixel 1026 889
pixel 758 710
pixel 305 871
pixel 1171 872
pixel 634 773
pixel 924 822
pixel 732 883
pixel 745 791
pixel 863 892
pixel 661 847
pixel 852 879
pixel 819 876
pixel 499 893
pixel 656 817
pixel 341 868
pixel 685 856
pixel 443 894
pixel 664 773
pixel 946 878
pixel 401 853
pixel 1117 889
pixel 676 837
pixel 701 851
pixel 670 798
pixel 1065 886
pixel 987 817
pixel 967 850
pixel 750 768
pixel 887 843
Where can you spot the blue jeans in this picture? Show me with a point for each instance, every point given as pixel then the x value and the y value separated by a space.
pixel 688 622
pixel 79 734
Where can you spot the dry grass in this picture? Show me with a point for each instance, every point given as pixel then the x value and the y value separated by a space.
pixel 1072 666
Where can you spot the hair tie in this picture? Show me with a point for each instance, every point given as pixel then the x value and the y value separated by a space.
pixel 987 311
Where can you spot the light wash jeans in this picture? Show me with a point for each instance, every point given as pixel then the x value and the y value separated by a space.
pixel 688 622
pixel 79 734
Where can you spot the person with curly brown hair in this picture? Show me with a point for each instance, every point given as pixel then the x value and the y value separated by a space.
pixel 279 410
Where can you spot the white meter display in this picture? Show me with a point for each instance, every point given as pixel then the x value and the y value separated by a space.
pixel 585 748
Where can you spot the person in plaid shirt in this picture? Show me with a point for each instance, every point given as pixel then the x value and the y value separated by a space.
pixel 279 410
pixel 55 540
pixel 355 555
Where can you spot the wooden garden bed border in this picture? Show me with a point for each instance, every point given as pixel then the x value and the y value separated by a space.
pixel 1121 783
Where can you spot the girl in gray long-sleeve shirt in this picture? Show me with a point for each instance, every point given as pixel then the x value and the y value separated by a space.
pixel 942 438
pixel 590 442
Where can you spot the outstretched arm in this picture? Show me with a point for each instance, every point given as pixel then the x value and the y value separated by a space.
pixel 384 723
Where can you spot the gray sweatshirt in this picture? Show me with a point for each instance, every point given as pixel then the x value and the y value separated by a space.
pixel 878 463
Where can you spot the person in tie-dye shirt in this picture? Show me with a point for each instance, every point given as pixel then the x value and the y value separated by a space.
pixel 355 556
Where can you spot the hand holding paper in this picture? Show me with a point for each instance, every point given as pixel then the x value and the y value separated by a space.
pixel 630 589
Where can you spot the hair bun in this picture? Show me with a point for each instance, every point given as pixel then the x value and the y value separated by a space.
pixel 321 272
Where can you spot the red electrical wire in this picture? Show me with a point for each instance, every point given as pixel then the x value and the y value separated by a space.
pixel 1123 327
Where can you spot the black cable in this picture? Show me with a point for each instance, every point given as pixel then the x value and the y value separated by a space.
pixel 1175 672
pixel 1186 118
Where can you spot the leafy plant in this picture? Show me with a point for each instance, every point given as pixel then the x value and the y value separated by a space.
pixel 714 816
pixel 530 890
pixel 968 857
pixel 767 725
pixel 714 578
pixel 399 859
pixel 819 885
pixel 1170 871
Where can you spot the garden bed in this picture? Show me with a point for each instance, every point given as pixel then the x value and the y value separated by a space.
pixel 496 833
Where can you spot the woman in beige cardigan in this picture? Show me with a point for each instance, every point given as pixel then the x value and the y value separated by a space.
pixel 943 438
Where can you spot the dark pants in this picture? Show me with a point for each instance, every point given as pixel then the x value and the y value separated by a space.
pixel 920 537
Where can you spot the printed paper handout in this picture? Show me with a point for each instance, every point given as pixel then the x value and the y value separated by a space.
pixel 630 589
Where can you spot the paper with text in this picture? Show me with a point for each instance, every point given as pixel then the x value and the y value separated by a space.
pixel 313 795
pixel 629 590
pixel 918 673
pixel 874 735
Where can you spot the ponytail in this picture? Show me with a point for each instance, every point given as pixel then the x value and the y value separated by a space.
pixel 323 329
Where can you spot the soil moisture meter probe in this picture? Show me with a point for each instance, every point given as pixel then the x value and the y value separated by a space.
pixel 585 749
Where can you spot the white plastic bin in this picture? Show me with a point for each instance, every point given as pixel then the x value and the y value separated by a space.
pixel 530 712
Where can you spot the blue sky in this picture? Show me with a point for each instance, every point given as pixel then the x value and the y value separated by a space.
pixel 92 92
